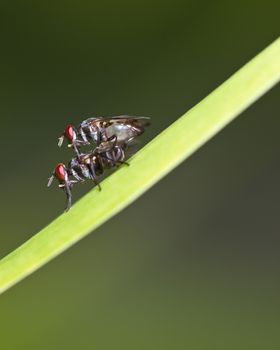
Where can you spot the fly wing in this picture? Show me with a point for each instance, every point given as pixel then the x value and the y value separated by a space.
pixel 140 123
pixel 127 118
pixel 124 127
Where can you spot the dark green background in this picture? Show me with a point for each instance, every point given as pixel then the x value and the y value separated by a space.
pixel 194 263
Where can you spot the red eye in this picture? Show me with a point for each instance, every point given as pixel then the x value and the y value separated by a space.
pixel 70 132
pixel 60 172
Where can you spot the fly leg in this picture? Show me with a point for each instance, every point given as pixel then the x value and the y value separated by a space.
pixel 76 148
pixel 93 175
pixel 107 147
pixel 110 151
pixel 76 176
pixel 68 192
pixel 114 161
pixel 67 187
pixel 116 152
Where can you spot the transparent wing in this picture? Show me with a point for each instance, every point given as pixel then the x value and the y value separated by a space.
pixel 119 118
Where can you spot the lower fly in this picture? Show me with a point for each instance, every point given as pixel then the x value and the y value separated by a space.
pixel 87 166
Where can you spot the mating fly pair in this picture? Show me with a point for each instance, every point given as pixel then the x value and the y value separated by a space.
pixel 111 137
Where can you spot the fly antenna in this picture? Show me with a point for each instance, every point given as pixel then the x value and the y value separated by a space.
pixel 60 140
pixel 50 180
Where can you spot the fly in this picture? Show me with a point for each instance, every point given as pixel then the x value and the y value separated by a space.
pixel 87 166
pixel 96 130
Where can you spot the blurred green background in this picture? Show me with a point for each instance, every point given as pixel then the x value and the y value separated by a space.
pixel 194 263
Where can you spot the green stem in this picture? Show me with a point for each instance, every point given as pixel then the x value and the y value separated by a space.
pixel 147 167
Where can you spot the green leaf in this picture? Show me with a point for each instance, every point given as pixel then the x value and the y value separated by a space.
pixel 147 167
